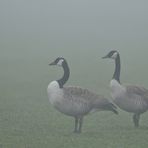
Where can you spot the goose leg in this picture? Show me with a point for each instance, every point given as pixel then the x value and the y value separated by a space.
pixel 80 124
pixel 76 125
pixel 136 118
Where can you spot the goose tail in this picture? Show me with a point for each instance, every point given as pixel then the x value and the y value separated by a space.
pixel 113 108
pixel 104 104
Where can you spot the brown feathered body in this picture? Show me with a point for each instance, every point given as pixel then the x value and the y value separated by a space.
pixel 130 98
pixel 76 101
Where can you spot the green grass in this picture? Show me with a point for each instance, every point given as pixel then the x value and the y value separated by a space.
pixel 27 120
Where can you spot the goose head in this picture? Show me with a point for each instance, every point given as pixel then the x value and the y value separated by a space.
pixel 112 55
pixel 60 61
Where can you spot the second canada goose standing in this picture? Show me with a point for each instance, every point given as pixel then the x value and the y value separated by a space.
pixel 130 98
pixel 75 101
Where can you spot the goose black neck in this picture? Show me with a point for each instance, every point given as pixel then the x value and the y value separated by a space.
pixel 65 77
pixel 116 75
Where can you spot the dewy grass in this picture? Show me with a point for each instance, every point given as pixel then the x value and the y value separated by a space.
pixel 27 120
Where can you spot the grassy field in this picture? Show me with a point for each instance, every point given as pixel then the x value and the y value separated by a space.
pixel 27 120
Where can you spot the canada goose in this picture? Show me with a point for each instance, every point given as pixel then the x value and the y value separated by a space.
pixel 130 98
pixel 74 101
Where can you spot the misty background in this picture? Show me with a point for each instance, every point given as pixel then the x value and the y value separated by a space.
pixel 79 24
pixel 35 32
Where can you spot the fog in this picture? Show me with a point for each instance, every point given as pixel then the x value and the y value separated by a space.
pixel 82 31
pixel 35 32
pixel 81 24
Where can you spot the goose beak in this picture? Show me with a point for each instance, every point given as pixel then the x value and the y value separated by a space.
pixel 53 63
pixel 105 57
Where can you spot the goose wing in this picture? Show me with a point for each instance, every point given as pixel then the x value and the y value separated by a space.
pixel 78 93
pixel 138 90
pixel 85 96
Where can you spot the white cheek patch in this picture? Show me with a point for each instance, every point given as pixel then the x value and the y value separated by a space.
pixel 60 62
pixel 114 56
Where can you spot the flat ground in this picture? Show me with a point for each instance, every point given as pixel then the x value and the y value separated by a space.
pixel 27 120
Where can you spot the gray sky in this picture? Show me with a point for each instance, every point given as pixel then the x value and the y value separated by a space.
pixel 75 23
pixel 34 32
